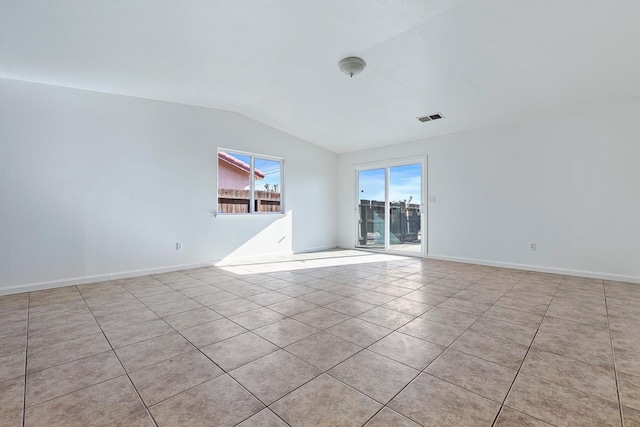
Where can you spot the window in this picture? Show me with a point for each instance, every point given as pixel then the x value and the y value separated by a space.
pixel 249 183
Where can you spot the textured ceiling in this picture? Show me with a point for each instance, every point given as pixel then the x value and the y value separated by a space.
pixel 479 62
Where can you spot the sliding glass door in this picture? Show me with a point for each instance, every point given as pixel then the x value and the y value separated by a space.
pixel 389 209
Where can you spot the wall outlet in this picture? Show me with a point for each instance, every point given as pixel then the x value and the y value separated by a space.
pixel 432 199
pixel 532 246
pixel 178 246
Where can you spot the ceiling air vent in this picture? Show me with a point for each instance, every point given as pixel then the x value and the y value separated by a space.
pixel 430 117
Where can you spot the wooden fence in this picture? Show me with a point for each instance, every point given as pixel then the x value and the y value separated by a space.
pixel 238 201
pixel 405 222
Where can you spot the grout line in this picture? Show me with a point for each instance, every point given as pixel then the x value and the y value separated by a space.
pixel 26 360
pixel 526 354
pixel 613 356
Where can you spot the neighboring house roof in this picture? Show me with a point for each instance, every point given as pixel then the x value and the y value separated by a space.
pixel 239 164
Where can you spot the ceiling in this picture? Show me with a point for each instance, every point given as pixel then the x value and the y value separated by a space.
pixel 478 62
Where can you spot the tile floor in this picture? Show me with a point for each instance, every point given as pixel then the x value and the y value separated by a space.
pixel 339 338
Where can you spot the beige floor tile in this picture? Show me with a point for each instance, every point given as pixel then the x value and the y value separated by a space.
pixel 212 332
pixel 14 419
pixel 14 315
pixel 272 376
pixel 373 297
pixel 321 318
pixel 230 308
pixel 629 386
pixel 137 332
pixel 164 379
pixel 117 307
pixel 431 401
pixel 514 316
pixel 11 397
pixel 407 306
pixel 66 351
pixel 350 307
pixel 582 331
pixel 174 307
pixel 450 317
pixel 18 327
pixel 485 378
pixel 296 290
pixel 264 418
pixel 117 320
pixel 62 379
pixel 323 350
pixel 374 375
pixel 257 318
pixel 239 350
pixel 511 418
pixel 388 418
pixel 626 340
pixel 574 347
pixel 285 332
pixel 432 331
pixel 56 308
pixel 393 290
pixel 139 355
pixel 359 332
pixel 631 417
pixel 12 365
pixel 560 405
pixel 10 344
pixel 321 297
pixel 194 291
pixel 466 306
pixel 325 401
pixel 191 318
pixel 96 405
pixel 624 324
pixel 523 304
pixel 344 290
pixel 292 306
pixel 138 419
pixel 505 330
pixel 627 361
pixel 425 297
pixel 409 350
pixel 267 298
pixel 56 334
pixel 385 317
pixel 594 379
pixel 505 353
pixel 162 298
pixel 215 298
pixel 248 290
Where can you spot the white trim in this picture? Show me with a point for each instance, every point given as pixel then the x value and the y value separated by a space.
pixel 252 180
pixel 30 287
pixel 538 268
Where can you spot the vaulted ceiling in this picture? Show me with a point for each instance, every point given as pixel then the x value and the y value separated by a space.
pixel 478 62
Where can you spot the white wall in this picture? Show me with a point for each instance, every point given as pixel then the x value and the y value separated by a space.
pixel 94 185
pixel 570 184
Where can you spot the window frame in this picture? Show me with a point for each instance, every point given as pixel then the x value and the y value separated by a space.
pixel 252 180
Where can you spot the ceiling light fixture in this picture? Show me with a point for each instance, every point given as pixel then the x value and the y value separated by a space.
pixel 351 66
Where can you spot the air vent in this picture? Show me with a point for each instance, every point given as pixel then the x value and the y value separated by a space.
pixel 430 117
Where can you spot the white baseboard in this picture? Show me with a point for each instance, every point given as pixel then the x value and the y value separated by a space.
pixel 541 269
pixel 316 249
pixel 527 267
pixel 30 287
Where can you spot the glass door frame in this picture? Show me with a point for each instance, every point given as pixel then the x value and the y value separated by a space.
pixel 387 165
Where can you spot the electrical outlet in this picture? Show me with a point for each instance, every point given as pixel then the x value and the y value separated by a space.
pixel 178 246
pixel 532 246
pixel 432 199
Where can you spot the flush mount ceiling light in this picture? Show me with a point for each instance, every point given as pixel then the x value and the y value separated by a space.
pixel 351 66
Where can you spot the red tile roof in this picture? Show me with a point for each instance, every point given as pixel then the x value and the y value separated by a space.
pixel 239 164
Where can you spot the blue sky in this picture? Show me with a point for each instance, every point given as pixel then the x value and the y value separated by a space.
pixel 404 182
pixel 271 169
